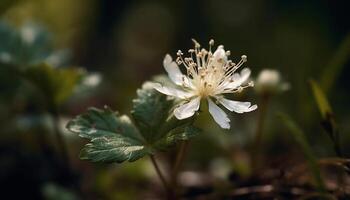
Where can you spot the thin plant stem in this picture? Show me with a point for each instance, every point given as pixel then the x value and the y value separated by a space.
pixel 160 174
pixel 257 144
pixel 178 162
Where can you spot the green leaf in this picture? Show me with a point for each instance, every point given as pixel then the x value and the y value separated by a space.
pixel 175 135
pixel 328 122
pixel 300 138
pixel 336 65
pixel 321 99
pixel 150 110
pixel 114 138
pixel 28 45
pixel 57 84
pixel 153 114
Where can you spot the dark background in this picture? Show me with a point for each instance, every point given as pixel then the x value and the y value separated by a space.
pixel 126 41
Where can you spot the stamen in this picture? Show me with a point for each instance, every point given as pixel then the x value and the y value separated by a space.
pixel 203 75
pixel 236 66
pixel 240 88
pixel 211 42
pixel 244 58
pixel 196 44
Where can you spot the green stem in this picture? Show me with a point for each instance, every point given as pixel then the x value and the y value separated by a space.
pixel 178 162
pixel 160 174
pixel 257 144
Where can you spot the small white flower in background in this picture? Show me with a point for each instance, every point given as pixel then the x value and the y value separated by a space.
pixel 209 76
pixel 92 79
pixel 269 81
pixel 29 33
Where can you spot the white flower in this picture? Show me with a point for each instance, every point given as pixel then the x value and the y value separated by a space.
pixel 209 76
pixel 269 81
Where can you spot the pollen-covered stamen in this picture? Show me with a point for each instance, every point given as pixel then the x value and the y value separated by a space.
pixel 211 44
pixel 197 52
pixel 188 63
pixel 240 88
pixel 236 66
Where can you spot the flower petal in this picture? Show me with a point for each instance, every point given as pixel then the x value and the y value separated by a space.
pixel 239 79
pixel 219 58
pixel 220 54
pixel 237 106
pixel 219 115
pixel 172 91
pixel 188 109
pixel 173 70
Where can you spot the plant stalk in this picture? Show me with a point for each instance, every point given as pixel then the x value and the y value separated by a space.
pixel 178 162
pixel 160 175
pixel 257 144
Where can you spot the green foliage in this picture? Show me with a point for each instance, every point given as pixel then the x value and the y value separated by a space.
pixel 300 138
pixel 115 138
pixel 336 64
pixel 23 52
pixel 328 120
pixel 28 45
pixel 150 110
pixel 321 99
pixel 57 84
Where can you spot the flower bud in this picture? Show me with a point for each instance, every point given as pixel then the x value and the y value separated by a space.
pixel 269 81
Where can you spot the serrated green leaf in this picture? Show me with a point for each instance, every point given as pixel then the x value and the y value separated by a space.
pixel 150 110
pixel 321 99
pixel 114 138
pixel 177 134
pixel 57 84
pixel 153 114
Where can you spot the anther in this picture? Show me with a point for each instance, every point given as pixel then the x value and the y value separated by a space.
pixel 196 44
pixel 244 58
pixel 211 42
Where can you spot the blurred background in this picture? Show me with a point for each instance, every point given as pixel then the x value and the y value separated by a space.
pixel 104 50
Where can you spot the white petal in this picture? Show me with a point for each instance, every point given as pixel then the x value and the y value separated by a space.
pixel 237 106
pixel 172 91
pixel 219 115
pixel 219 58
pixel 220 53
pixel 239 79
pixel 188 109
pixel 173 70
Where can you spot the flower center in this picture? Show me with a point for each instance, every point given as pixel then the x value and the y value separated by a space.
pixel 208 71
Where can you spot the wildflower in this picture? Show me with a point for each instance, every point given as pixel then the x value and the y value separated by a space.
pixel 269 81
pixel 208 76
